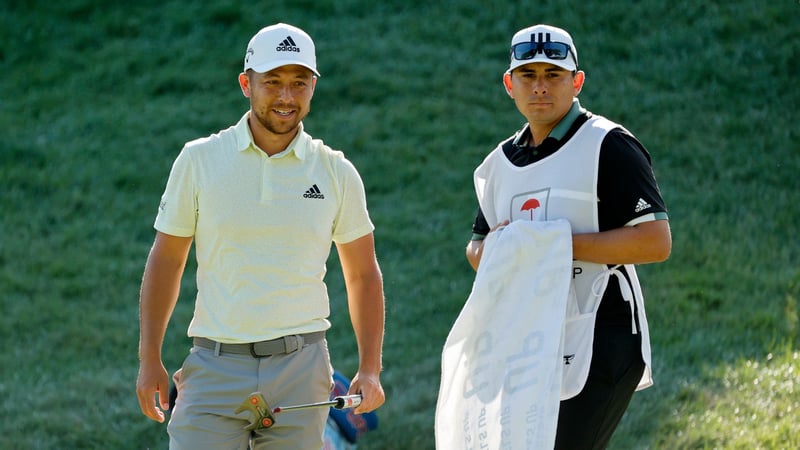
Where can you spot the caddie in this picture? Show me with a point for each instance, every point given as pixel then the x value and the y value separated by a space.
pixel 568 163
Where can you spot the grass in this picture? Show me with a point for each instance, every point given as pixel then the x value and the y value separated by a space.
pixel 97 99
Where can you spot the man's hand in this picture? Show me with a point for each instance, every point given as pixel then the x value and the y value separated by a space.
pixel 153 380
pixel 372 395
pixel 475 248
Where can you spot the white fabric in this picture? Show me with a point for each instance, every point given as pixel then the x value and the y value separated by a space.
pixel 560 186
pixel 644 328
pixel 564 186
pixel 501 363
pixel 579 329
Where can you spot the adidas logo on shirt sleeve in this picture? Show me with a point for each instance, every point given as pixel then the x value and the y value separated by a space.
pixel 313 192
pixel 641 205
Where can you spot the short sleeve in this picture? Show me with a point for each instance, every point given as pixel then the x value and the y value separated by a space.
pixel 177 212
pixel 352 221
pixel 626 186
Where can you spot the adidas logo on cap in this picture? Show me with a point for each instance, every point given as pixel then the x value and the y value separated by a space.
pixel 287 45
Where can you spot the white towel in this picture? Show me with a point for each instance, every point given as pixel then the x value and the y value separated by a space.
pixel 502 361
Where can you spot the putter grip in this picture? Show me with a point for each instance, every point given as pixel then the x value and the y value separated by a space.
pixel 347 401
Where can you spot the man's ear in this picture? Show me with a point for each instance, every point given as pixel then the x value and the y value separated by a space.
pixel 507 83
pixel 244 83
pixel 577 81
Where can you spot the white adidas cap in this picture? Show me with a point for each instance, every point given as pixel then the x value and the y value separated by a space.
pixel 280 45
pixel 534 44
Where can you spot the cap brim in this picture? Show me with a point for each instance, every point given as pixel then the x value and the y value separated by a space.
pixel 566 64
pixel 266 67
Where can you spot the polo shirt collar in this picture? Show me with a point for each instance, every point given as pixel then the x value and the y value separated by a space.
pixel 560 130
pixel 566 122
pixel 244 139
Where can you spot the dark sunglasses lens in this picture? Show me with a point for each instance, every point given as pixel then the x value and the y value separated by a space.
pixel 525 50
pixel 555 50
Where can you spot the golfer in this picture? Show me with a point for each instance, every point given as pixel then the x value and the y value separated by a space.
pixel 262 201
pixel 567 163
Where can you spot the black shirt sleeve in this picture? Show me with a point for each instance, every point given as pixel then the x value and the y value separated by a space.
pixel 626 185
pixel 480 228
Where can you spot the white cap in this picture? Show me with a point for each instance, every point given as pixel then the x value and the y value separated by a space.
pixel 544 33
pixel 280 45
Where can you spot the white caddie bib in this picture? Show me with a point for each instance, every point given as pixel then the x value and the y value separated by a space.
pixel 564 186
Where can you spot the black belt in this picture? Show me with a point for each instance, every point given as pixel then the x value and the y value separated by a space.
pixel 280 346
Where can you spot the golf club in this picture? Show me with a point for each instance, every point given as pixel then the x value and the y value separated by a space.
pixel 340 402
pixel 264 416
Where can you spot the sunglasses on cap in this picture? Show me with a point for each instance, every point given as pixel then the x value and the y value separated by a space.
pixel 528 50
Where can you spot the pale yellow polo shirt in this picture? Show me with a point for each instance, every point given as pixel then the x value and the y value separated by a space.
pixel 263 228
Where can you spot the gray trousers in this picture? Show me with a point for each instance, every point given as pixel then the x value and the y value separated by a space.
pixel 212 386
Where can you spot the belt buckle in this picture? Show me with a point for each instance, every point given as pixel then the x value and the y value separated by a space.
pixel 253 352
pixel 292 343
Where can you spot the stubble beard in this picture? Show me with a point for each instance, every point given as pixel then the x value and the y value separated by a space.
pixel 275 126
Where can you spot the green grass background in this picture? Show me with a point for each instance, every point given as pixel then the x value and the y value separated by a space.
pixel 96 100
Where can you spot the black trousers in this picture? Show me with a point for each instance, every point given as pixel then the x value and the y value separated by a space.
pixel 588 420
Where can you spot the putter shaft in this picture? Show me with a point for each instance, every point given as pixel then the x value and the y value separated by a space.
pixel 340 402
